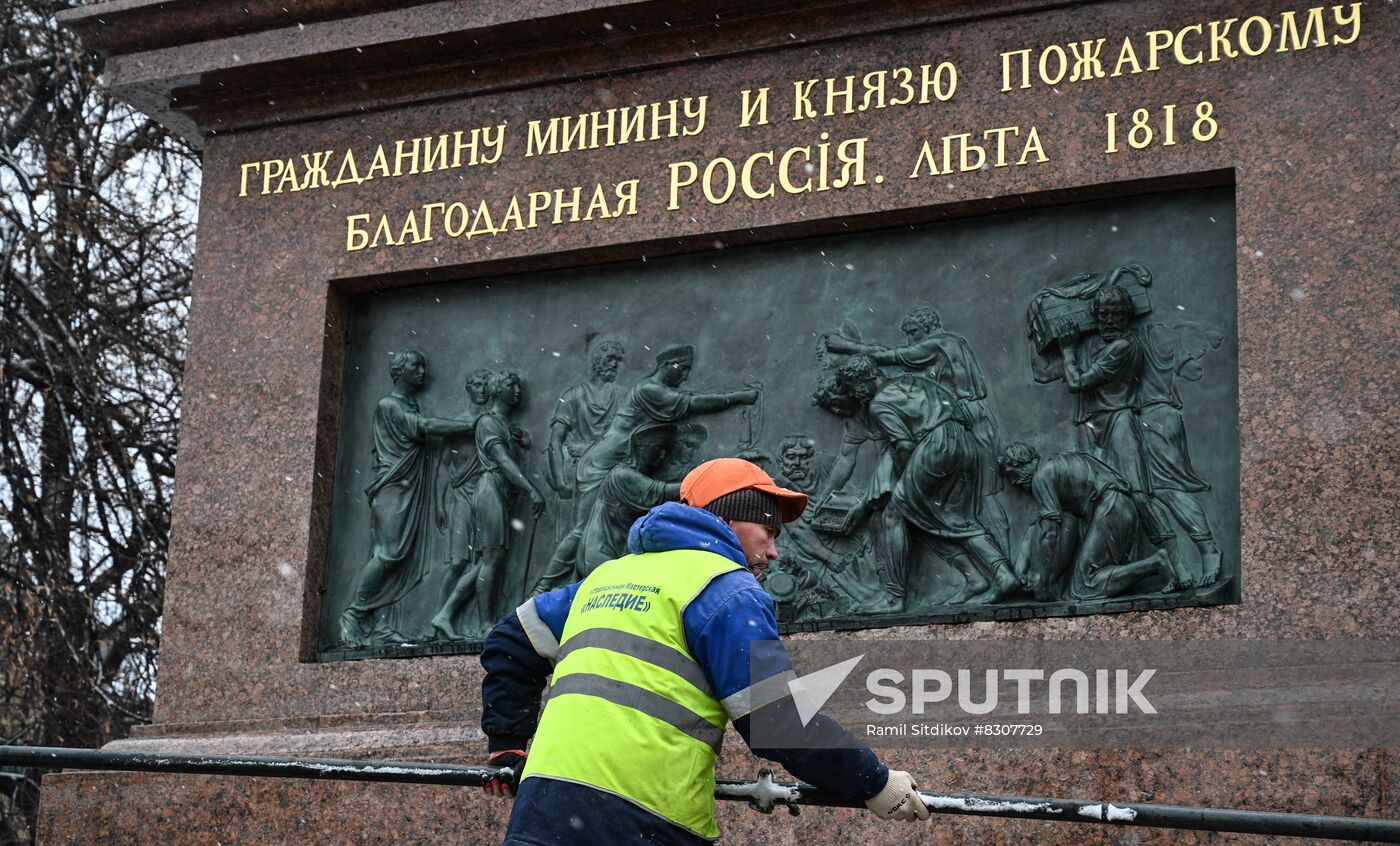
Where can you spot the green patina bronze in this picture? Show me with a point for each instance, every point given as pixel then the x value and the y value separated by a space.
pixel 1013 416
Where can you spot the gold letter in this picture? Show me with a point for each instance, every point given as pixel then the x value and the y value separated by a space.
pixel 571 133
pixel 355 239
pixel 851 161
pixel 1156 45
pixel 698 114
pixel 873 90
pixel 1064 64
pixel 428 217
pixel 1180 53
pixel 460 209
pixel 599 203
pixel 384 230
pixel 458 145
pixel 1033 146
pixel 626 197
pixel 542 143
pixel 1291 35
pixel 539 201
pixel 677 185
pixel 1126 55
pixel 755 107
pixel 729 187
pixel 315 163
pixel 670 120
pixel 410 224
pixel 1000 134
pixel 513 213
pixel 785 162
pixel 255 166
pixel 1263 26
pixel 963 147
pixel 925 155
pixel 289 174
pixel 848 93
pixel 904 79
pixel 1086 60
pixel 347 163
pixel 1006 75
pixel 609 129
pixel 435 157
pixel 380 164
pixel 801 102
pixel 944 82
pixel 498 143
pixel 633 124
pixel 270 174
pixel 412 158
pixel 1220 39
pixel 572 205
pixel 1354 19
pixel 482 214
pixel 746 176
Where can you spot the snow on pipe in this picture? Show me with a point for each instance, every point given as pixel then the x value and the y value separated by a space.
pixel 764 793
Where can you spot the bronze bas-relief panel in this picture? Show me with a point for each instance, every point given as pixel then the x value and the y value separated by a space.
pixel 1019 415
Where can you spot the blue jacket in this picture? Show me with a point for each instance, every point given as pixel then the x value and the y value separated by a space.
pixel 721 625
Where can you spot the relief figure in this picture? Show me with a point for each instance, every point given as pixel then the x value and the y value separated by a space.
pixel 800 469
pixel 937 472
pixel 690 437
pixel 582 415
pixel 1105 373
pixel 400 503
pixel 857 430
pixel 462 464
pixel 1174 353
pixel 800 466
pixel 845 510
pixel 831 571
pixel 629 491
pixel 500 446
pixel 947 358
pixel 1086 527
pixel 657 398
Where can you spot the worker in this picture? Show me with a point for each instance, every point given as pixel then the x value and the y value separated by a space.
pixel 650 656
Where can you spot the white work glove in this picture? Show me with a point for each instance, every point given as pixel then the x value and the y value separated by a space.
pixel 899 800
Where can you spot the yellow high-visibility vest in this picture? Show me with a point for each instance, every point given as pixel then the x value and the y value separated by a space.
pixel 630 711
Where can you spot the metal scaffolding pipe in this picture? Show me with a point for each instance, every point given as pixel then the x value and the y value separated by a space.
pixel 765 794
pixel 1073 810
pixel 54 757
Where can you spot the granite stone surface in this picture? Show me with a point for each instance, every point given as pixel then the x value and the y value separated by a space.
pixel 1307 139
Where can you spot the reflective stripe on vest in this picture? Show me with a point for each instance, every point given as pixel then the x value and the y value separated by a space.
pixel 637 698
pixel 630 710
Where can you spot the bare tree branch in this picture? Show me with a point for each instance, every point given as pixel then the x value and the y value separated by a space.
pixel 94 287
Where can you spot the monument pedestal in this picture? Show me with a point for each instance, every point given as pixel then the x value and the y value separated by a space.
pixel 305 264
